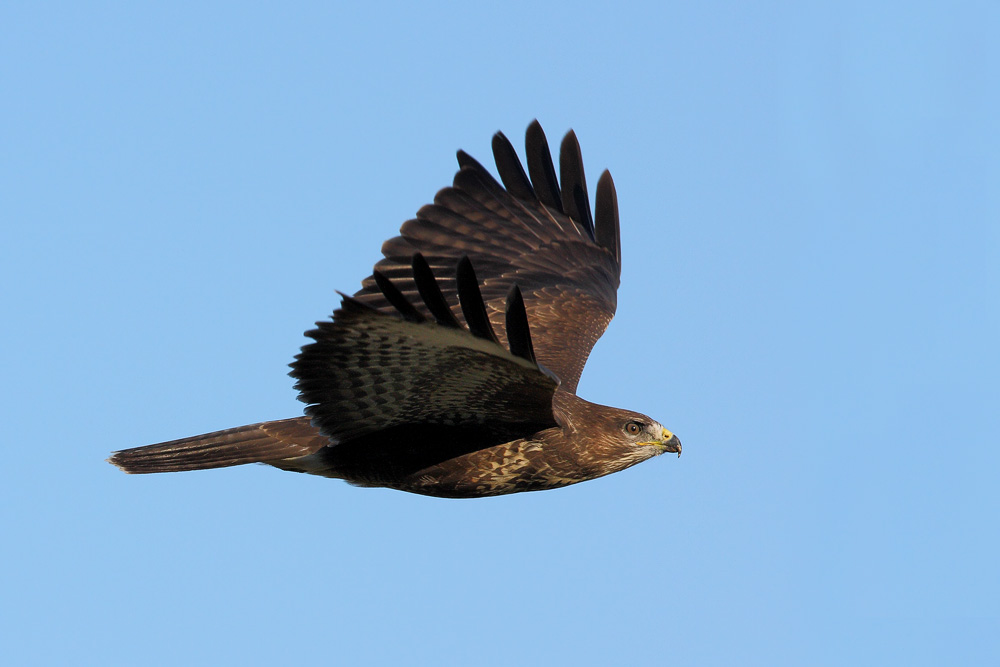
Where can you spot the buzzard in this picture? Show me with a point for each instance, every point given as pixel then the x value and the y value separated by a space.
pixel 453 370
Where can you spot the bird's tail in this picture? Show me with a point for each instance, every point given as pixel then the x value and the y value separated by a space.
pixel 256 443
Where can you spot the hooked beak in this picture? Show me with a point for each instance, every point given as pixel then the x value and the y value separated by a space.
pixel 670 443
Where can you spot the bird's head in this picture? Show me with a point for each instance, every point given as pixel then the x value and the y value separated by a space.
pixel 648 436
pixel 626 437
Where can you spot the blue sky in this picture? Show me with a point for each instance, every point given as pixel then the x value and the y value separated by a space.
pixel 810 207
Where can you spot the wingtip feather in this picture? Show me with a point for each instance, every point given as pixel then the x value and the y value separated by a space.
pixel 471 300
pixel 574 184
pixel 431 293
pixel 518 330
pixel 606 221
pixel 540 168
pixel 511 170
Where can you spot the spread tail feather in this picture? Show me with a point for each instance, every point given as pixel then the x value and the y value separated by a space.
pixel 254 443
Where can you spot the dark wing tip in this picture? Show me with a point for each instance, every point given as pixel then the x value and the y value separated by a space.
pixel 466 160
pixel 606 221
pixel 471 300
pixel 518 333
pixel 543 174
pixel 431 293
pixel 510 169
pixel 470 167
pixel 396 298
pixel 574 183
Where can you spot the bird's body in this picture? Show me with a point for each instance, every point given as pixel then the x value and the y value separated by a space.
pixel 402 395
pixel 470 466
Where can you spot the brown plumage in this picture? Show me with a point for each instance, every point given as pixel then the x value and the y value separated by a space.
pixel 453 371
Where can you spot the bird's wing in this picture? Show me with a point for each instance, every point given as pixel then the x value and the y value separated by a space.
pixel 533 232
pixel 373 372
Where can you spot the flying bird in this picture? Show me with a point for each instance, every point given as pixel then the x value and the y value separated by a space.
pixel 452 372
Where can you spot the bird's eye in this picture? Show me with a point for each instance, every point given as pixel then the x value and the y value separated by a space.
pixel 633 428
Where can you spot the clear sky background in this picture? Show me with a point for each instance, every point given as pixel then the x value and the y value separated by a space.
pixel 810 202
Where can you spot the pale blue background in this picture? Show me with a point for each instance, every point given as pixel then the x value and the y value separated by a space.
pixel 810 200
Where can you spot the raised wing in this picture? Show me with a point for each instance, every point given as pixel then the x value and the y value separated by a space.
pixel 370 373
pixel 532 232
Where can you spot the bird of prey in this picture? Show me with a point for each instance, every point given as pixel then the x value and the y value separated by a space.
pixel 452 372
